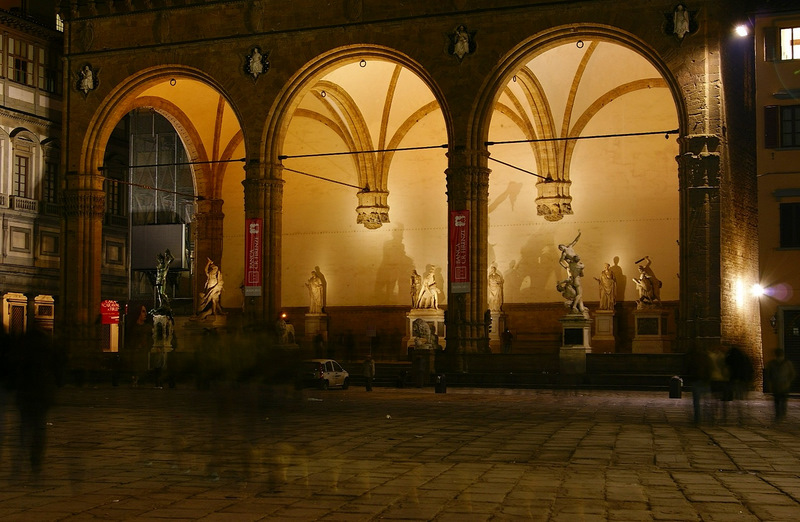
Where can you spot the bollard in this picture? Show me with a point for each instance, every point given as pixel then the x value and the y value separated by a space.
pixel 441 383
pixel 675 385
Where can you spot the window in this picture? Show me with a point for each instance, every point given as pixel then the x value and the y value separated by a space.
pixel 790 43
pixel 50 183
pixel 115 196
pixel 48 72
pixel 790 225
pixel 59 23
pixel 19 180
pixel 781 126
pixel 20 62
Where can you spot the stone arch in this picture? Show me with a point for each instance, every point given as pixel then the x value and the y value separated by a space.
pixel 504 70
pixel 123 99
pixel 292 94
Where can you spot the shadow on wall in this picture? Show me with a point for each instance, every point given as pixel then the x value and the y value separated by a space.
pixel 394 272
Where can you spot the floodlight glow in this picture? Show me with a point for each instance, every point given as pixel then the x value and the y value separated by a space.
pixel 758 290
pixel 742 30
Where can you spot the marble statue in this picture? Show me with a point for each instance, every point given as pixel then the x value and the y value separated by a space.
pixel 87 79
pixel 209 303
pixel 495 294
pixel 680 21
pixel 422 335
pixel 314 285
pixel 285 331
pixel 428 296
pixel 416 284
pixel 571 288
pixel 648 285
pixel 608 288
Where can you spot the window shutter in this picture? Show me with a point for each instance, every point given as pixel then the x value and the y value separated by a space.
pixel 771 126
pixel 770 44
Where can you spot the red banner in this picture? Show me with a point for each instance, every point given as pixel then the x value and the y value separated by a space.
pixel 252 272
pixel 109 312
pixel 459 252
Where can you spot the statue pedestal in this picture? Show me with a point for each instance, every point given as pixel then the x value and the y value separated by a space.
pixel 316 324
pixel 576 332
pixel 498 325
pixel 603 340
pixel 163 330
pixel 432 316
pixel 651 326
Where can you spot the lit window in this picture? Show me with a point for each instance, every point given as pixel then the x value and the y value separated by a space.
pixel 790 43
pixel 20 61
pixel 781 126
pixel 20 178
pixel 59 23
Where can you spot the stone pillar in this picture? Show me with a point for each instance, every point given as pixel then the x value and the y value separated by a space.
pixel 263 198
pixel 468 189
pixel 82 262
pixel 699 315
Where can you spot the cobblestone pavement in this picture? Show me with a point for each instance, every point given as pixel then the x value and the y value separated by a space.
pixel 399 454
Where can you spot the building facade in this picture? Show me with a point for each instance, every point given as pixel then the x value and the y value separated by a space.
pixel 777 102
pixel 30 155
pixel 350 138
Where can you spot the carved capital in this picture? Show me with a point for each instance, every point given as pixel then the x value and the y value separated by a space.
pixel 467 183
pixel 85 203
pixel 554 201
pixel 373 210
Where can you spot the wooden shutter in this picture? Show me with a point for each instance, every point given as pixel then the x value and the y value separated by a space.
pixel 772 126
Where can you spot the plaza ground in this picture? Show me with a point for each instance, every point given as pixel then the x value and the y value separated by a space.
pixel 274 453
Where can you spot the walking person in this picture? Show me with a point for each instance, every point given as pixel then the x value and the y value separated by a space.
pixel 780 375
pixel 369 371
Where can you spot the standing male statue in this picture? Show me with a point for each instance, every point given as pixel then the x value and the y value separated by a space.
pixel 495 297
pixel 163 261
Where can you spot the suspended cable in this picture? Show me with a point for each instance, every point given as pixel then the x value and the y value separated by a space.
pixel 546 178
pixel 104 167
pixel 347 153
pixel 623 135
pixel 148 187
pixel 364 189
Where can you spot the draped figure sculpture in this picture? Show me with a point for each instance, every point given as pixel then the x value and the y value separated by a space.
pixel 314 285
pixel 608 288
pixel 495 294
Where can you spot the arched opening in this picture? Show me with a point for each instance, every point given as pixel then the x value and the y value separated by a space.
pixel 577 146
pixel 364 203
pixel 172 156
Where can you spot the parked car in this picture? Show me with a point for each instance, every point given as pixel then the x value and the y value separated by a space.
pixel 323 374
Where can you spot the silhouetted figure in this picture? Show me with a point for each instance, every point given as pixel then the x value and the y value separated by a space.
pixel 506 338
pixel 780 374
pixel 369 371
pixel 741 372
pixel 700 377
pixel 35 392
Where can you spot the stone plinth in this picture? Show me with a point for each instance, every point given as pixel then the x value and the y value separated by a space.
pixel 498 325
pixel 575 344
pixel 432 316
pixel 316 324
pixel 603 340
pixel 650 331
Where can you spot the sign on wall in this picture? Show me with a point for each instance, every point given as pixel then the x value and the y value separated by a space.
pixel 109 312
pixel 252 272
pixel 459 252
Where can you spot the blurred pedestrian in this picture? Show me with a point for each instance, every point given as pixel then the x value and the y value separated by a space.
pixel 700 377
pixel 780 374
pixel 369 371
pixel 719 381
pixel 35 392
pixel 741 373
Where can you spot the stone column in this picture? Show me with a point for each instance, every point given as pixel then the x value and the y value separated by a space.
pixel 263 198
pixel 700 278
pixel 468 189
pixel 81 262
